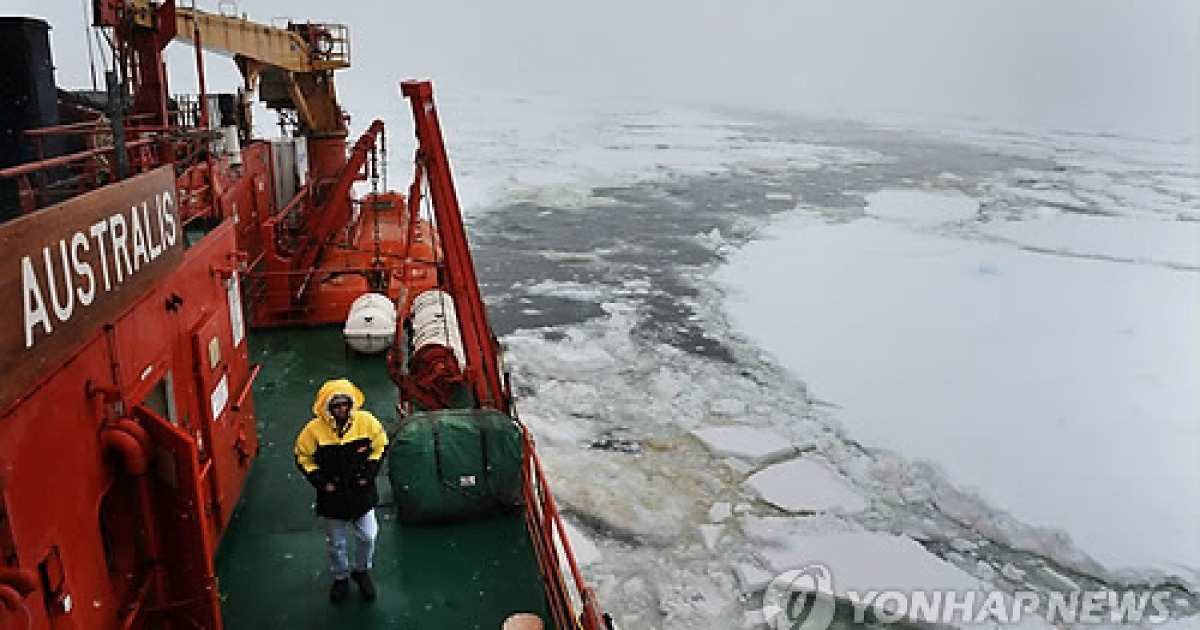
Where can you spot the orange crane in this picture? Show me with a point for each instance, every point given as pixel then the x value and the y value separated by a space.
pixel 312 256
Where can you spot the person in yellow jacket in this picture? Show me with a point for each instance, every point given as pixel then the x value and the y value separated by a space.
pixel 340 452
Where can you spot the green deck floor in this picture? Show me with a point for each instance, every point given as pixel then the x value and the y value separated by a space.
pixel 272 565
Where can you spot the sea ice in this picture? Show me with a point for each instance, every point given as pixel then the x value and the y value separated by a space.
pixel 751 579
pixel 867 560
pixel 1174 243
pixel 752 444
pixel 585 551
pixel 568 290
pixel 920 207
pixel 1012 572
pixel 711 535
pixel 963 545
pixel 806 484
pixel 728 407
pixel 1071 363
pixel 720 511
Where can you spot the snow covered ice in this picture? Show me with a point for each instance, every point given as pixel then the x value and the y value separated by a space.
pixel 1060 381
pixel 748 342
pixel 752 444
pixel 805 485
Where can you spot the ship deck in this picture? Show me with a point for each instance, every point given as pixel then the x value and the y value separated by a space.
pixel 271 566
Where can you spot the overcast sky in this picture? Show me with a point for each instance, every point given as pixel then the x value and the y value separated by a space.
pixel 1131 65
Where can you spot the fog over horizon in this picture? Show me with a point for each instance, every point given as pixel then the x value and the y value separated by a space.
pixel 1097 65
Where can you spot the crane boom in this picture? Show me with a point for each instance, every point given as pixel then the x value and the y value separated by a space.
pixel 296 63
pixel 286 49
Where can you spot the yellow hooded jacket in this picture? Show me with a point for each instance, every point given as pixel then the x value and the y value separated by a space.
pixel 349 460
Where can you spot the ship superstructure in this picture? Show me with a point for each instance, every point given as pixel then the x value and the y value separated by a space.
pixel 145 238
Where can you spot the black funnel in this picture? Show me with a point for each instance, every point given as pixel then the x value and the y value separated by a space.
pixel 28 97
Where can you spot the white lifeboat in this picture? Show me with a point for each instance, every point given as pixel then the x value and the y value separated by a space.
pixel 371 324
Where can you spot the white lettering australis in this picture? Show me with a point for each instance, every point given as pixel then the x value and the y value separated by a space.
pixel 62 311
pixel 166 214
pixel 116 227
pixel 56 285
pixel 83 268
pixel 35 304
pixel 140 252
pixel 155 250
pixel 98 231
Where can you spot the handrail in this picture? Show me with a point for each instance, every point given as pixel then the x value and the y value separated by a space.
pixel 87 126
pixel 279 216
pixel 550 538
pixel 33 167
pixel 325 270
pixel 237 403
pixel 542 536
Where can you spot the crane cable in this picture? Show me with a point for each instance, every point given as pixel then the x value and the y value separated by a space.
pixel 378 277
pixel 377 262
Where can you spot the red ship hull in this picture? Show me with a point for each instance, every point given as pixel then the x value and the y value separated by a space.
pixel 133 259
pixel 121 464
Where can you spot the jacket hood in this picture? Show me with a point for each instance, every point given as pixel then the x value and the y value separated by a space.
pixel 329 390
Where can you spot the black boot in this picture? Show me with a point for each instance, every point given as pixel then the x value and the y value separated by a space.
pixel 365 585
pixel 338 590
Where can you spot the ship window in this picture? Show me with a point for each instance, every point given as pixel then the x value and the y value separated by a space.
pixel 161 399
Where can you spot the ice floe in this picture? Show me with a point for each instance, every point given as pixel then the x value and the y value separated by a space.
pixel 1007 367
pixel 754 445
pixel 806 484
pixel 918 207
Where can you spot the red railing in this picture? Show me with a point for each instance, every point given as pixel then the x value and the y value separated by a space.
pixel 550 542
pixel 88 170
pixel 92 163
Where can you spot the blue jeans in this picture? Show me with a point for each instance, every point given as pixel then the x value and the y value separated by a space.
pixel 364 528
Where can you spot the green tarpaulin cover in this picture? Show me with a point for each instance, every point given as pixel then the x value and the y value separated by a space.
pixel 455 465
